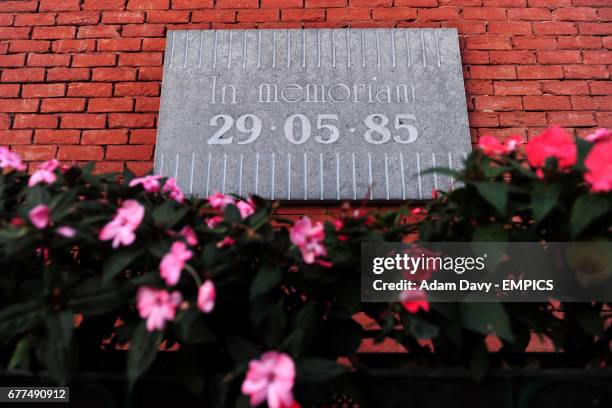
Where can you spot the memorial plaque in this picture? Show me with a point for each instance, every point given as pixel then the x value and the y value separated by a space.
pixel 312 114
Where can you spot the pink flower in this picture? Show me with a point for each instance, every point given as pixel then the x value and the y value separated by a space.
pixel 270 379
pixel 246 208
pixel 206 296
pixel 219 201
pixel 150 184
pixel 512 143
pixel 309 239
pixel 121 228
pixel 554 142
pixel 212 222
pixel 66 232
pixel 493 147
pixel 227 241
pixel 189 234
pixel 45 173
pixel 157 306
pixel 40 216
pixel 600 135
pixel 598 165
pixel 414 300
pixel 418 211
pixel 173 190
pixel 10 160
pixel 173 262
pixel 434 194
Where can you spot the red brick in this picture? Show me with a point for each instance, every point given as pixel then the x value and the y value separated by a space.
pixel 475 57
pixel 131 120
pixel 140 168
pixel 10 33
pixel 59 5
pixel 53 33
pixel 83 121
pixel 348 14
pixel 148 4
pixel 600 87
pixel 122 17
pixel 396 13
pixel 150 73
pixel 80 153
pixel 237 4
pixel 228 16
pixel 586 71
pixel 517 88
pixel 99 31
pixel 137 89
pixel 29 46
pixel 141 59
pixel 48 60
pixel 33 121
pixel 129 152
pixel 483 119
pixel 439 14
pixel 370 3
pixel 546 103
pixel 153 44
pixel 43 90
pixel 284 4
pixel 549 3
pixel 522 119
pixel 575 14
pixel 147 104
pixel 18 105
pixel 607 42
pixel 104 137
pixel 559 57
pixel 110 105
pixel 78 18
pixel 113 74
pixel 554 27
pixel 571 119
pixel 580 42
pixel 18 5
pixel 328 3
pixel 9 90
pixel 505 3
pixel 68 74
pixel 143 136
pixel 604 119
pixel 94 60
pixel 23 75
pixel 55 136
pixel 565 87
pixel 488 42
pixel 200 4
pixel 493 72
pixel 119 44
pixel 510 27
pixel 104 4
pixel 38 19
pixel 484 13
pixel 534 42
pixel 74 46
pixel 167 16
pixel 539 72
pixel 591 103
pixel 15 137
pixel 63 105
pixel 597 57
pixel 36 153
pixel 93 89
pixel 14 60
pixel 259 15
pixel 466 27
pixel 498 103
pixel 530 14
pixel 6 20
pixel 143 30
pixel 513 57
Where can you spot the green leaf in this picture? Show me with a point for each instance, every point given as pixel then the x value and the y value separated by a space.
pixel 268 277
pixel 490 233
pixel 142 352
pixel 590 320
pixel 119 261
pixel 419 328
pixel 21 355
pixel 495 194
pixel 232 214
pixel 343 336
pixel 57 348
pixel 316 369
pixel 167 215
pixel 544 198
pixel 487 318
pixel 240 349
pixel 192 329
pixel 586 209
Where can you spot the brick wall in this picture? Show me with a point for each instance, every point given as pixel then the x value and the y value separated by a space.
pixel 80 79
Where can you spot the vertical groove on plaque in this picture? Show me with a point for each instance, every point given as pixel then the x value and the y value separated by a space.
pixel 402 173
pixel 288 176
pixel 208 175
pixel 450 166
pixel 161 164
pixel 321 174
pixel 176 167
pixel 348 47
pixel 244 50
pixel 258 48
pixel 418 163
pixel 200 51
pixel 437 47
pixel 370 174
pixel 392 33
pixel 423 47
pixel 272 176
pixel 377 48
pixel 363 56
pixel 407 46
pixel 273 48
pixel 229 57
pixel 318 48
pixel 172 34
pixel 288 48
pixel 337 176
pixel 240 176
pixel 186 49
pixel 354 179
pixel 387 175
pixel 433 163
pixel 333 42
pixel 224 173
pixel 305 177
pixel 215 43
pixel 256 173
pixel 303 48
pixel 191 174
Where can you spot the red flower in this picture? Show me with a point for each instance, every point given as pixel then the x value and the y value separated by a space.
pixel 414 300
pixel 554 142
pixel 599 167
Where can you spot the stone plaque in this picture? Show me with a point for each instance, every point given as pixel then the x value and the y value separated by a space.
pixel 312 114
